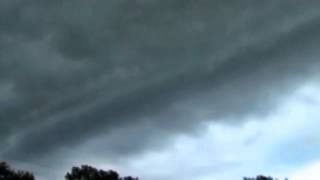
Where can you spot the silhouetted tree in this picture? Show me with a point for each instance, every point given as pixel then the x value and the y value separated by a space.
pixel 86 172
pixel 6 173
pixel 129 178
pixel 261 177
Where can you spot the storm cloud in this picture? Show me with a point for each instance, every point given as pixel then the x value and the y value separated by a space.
pixel 138 72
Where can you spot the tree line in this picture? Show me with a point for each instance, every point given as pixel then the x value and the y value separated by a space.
pixel 84 172
pixel 262 177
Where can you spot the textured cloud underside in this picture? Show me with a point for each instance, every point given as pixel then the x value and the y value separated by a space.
pixel 73 71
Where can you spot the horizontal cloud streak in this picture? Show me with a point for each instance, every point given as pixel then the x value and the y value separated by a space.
pixel 164 66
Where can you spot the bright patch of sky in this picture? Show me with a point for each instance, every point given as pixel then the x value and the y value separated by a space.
pixel 284 144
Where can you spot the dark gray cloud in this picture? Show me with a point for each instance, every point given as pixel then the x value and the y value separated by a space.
pixel 137 72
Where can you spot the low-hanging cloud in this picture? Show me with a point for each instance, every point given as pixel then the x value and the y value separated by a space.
pixel 79 70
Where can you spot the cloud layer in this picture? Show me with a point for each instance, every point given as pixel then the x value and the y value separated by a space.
pixel 129 75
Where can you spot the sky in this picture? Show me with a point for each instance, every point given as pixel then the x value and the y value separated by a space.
pixel 161 89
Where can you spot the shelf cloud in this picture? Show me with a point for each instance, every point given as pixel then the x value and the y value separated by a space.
pixel 132 75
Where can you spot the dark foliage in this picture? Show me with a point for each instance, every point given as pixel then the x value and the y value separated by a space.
pixel 86 172
pixel 6 173
pixel 261 177
pixel 128 178
pixel 90 173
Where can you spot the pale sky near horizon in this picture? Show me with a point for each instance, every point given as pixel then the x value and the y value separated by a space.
pixel 161 89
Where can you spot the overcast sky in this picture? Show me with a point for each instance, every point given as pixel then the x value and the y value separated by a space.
pixel 161 89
